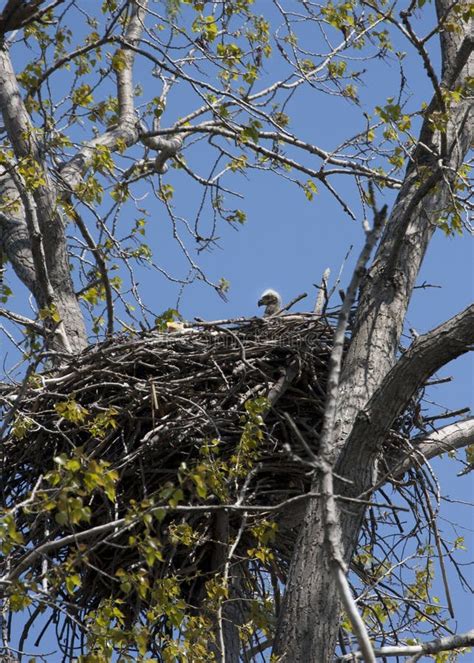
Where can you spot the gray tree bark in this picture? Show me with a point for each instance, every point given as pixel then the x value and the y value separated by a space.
pixel 32 231
pixel 309 620
pixel 46 272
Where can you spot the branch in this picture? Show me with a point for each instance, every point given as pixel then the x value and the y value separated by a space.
pixel 322 298
pixel 102 268
pixel 294 301
pixel 452 41
pixel 22 320
pixel 360 631
pixel 167 148
pixel 67 59
pixel 331 514
pixel 462 57
pixel 426 355
pixel 39 255
pixel 335 360
pixel 448 438
pixel 31 557
pixel 49 235
pixel 18 14
pixel 434 647
pixel 213 128
pixel 126 131
pixel 14 239
pixel 447 415
pixel 44 228
pixel 390 280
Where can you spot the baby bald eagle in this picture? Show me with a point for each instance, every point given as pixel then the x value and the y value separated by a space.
pixel 272 302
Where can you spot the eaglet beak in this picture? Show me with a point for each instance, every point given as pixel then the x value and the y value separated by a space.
pixel 260 302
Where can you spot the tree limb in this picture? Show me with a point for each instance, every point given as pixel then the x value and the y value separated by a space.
pixel 434 647
pixel 22 320
pixel 18 14
pixel 426 355
pixel 55 262
pixel 50 232
pixel 126 131
pixel 451 437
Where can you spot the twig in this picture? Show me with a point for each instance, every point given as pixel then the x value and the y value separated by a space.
pixel 102 267
pixel 430 383
pixel 447 415
pixel 301 438
pixel 440 552
pixel 341 269
pixel 356 620
pixel 293 302
pixel 425 285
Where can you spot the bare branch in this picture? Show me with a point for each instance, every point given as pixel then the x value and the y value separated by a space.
pixel 462 57
pixel 426 355
pixel 39 256
pixel 48 243
pixel 101 266
pixel 31 558
pixel 331 515
pixel 339 336
pixel 294 301
pixel 346 165
pixel 22 320
pixel 15 240
pixel 322 298
pixel 67 58
pixel 434 647
pixel 443 440
pixel 126 131
pixel 368 653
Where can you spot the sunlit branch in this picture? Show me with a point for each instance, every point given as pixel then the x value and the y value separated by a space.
pixel 416 651
pixel 446 439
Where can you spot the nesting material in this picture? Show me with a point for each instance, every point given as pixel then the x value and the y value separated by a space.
pixel 170 393
pixel 174 413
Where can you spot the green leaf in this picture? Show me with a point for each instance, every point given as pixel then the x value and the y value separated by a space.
pixel 71 411
pixel 310 189
pixel 170 315
pixel 210 28
pixel 82 95
pixel 73 581
pixel 251 132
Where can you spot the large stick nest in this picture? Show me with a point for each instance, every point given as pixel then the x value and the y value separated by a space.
pixel 167 396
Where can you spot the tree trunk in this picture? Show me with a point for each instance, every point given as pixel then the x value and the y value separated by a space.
pixel 309 621
pixel 51 262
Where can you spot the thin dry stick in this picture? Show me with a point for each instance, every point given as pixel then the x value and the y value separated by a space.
pixel 442 566
pixel 101 266
pixel 225 581
pixel 338 280
pixel 293 302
